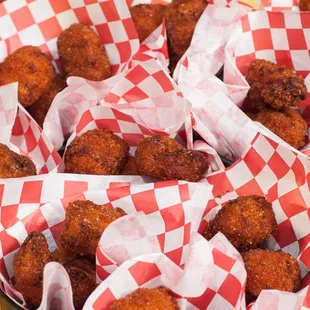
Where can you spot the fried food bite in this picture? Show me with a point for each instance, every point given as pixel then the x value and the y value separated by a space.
pixel 181 18
pixel 269 270
pixel 304 5
pixel 146 299
pixel 32 70
pixel 287 124
pixel 28 266
pixel 84 225
pixel 82 276
pixel 82 54
pixel 246 222
pixel 97 151
pixel 274 85
pixel 40 108
pixel 164 158
pixel 131 167
pixel 13 165
pixel 147 17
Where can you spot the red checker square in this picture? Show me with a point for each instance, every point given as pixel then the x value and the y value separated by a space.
pixel 148 132
pixel 272 194
pixel 31 192
pixel 2 10
pixel 163 81
pixel 187 233
pixel 84 121
pixel 296 39
pixel 304 242
pixel 104 300
pixel 173 216
pixel 102 259
pixel 8 243
pixel 102 273
pixel 120 192
pixel 9 215
pixel 164 184
pixel 161 239
pixel 140 56
pixel 175 255
pixel 254 161
pixel 115 69
pixel 231 289
pixel 305 20
pixel 143 272
pixel 245 24
pixel 17 129
pixel 184 192
pixel 123 117
pixel 72 188
pixel 293 203
pixel 276 20
pixel 243 62
pixel 262 39
pixel 56 231
pixel 22 18
pixel 145 201
pixel 3 269
pixel 13 43
pixel 124 49
pixel 132 139
pixel 284 58
pixel 130 29
pixel 223 261
pixel 250 188
pixel 137 75
pixel 43 170
pixel 299 171
pixel 278 165
pixel 274 144
pixel 135 94
pixel 305 257
pixel 221 184
pixel 110 11
pixel 203 301
pixel 285 234
pixel 112 98
pixel 50 28
pixel 60 6
pixel 119 184
pixel 305 282
pixel 35 222
pixel 87 2
pixel 104 33
pixel 110 124
pixel 31 140
pixel 44 149
pixel 1 193
pixel 83 16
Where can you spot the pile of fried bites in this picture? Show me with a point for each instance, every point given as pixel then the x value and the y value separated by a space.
pixel 246 221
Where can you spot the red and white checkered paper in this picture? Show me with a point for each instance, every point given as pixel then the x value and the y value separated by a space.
pixel 22 134
pixel 279 5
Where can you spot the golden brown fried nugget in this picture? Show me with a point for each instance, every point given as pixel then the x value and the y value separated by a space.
pixel 84 225
pixel 269 270
pixel 304 5
pixel 32 70
pixel 82 54
pixel 62 255
pixel 164 158
pixel 40 108
pixel 181 18
pixel 274 85
pixel 287 124
pixel 147 17
pixel 246 222
pixel 146 299
pixel 28 266
pixel 131 167
pixel 97 151
pixel 13 165
pixel 82 276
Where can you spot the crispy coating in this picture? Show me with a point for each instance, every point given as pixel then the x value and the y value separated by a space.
pixel 40 108
pixel 84 225
pixel 82 54
pixel 304 5
pixel 131 167
pixel 62 255
pixel 28 266
pixel 83 280
pixel 288 124
pixel 97 151
pixel 246 222
pixel 32 70
pixel 181 19
pixel 147 17
pixel 274 85
pixel 146 299
pixel 164 158
pixel 13 165
pixel 269 270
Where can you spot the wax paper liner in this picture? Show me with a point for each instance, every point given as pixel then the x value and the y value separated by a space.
pixel 21 133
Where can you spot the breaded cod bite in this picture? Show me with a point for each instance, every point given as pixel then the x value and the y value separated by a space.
pixel 97 151
pixel 146 299
pixel 32 70
pixel 28 266
pixel 147 17
pixel 246 222
pixel 269 270
pixel 164 158
pixel 275 85
pixel 84 225
pixel 82 54
pixel 13 165
pixel 131 167
pixel 287 124
pixel 304 5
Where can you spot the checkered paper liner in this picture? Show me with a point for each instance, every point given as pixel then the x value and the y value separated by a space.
pixel 249 4
pixel 279 5
pixel 22 134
